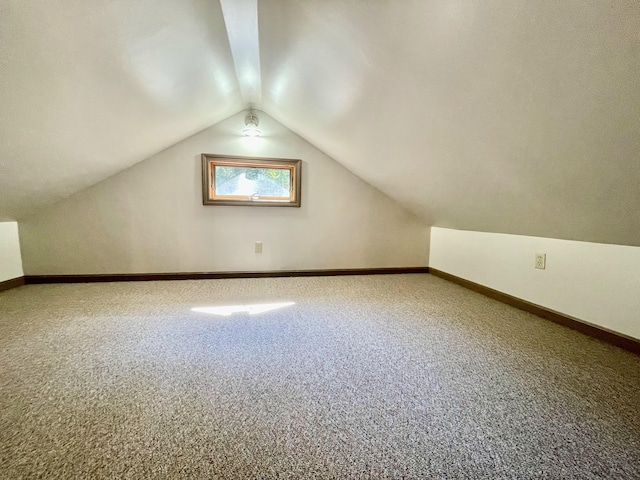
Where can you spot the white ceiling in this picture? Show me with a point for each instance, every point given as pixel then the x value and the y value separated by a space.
pixel 91 87
pixel 510 116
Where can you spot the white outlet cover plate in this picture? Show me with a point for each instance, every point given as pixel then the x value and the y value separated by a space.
pixel 541 261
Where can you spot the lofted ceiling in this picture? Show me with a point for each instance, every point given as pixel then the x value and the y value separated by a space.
pixel 89 88
pixel 509 116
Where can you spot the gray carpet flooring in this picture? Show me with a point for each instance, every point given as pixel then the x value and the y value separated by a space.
pixel 394 376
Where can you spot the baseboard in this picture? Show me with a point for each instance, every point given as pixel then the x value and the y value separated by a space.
pixel 138 277
pixel 13 283
pixel 614 338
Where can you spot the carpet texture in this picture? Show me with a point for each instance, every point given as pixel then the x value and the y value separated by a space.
pixel 394 376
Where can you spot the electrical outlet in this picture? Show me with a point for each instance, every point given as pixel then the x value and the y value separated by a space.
pixel 258 247
pixel 541 260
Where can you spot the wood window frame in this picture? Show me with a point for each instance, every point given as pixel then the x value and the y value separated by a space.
pixel 209 196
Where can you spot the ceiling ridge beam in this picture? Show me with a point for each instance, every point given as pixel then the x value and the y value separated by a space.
pixel 241 21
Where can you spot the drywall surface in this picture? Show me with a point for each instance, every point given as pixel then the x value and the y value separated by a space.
pixel 593 282
pixel 150 218
pixel 88 89
pixel 514 116
pixel 10 258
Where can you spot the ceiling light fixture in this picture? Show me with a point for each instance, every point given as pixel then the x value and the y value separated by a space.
pixel 251 125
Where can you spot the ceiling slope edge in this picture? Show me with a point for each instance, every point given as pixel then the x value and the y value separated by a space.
pixel 420 217
pixel 38 210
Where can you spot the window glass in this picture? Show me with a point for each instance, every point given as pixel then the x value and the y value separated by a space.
pixel 252 181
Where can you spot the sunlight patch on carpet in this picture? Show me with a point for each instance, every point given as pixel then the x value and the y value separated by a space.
pixel 252 309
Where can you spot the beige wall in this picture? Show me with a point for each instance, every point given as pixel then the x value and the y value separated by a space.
pixel 594 282
pixel 10 258
pixel 150 218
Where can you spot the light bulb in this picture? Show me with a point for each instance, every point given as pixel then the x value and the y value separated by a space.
pixel 251 126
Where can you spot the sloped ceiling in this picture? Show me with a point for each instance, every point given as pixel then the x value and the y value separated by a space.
pixel 90 87
pixel 511 116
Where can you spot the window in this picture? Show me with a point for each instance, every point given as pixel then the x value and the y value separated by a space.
pixel 250 181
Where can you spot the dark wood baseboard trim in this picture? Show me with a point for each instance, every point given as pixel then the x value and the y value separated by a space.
pixel 13 283
pixel 614 338
pixel 138 277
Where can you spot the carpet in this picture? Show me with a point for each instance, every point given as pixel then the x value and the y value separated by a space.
pixel 391 376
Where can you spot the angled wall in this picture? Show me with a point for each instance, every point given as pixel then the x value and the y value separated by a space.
pixel 150 218
pixel 593 282
pixel 10 258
